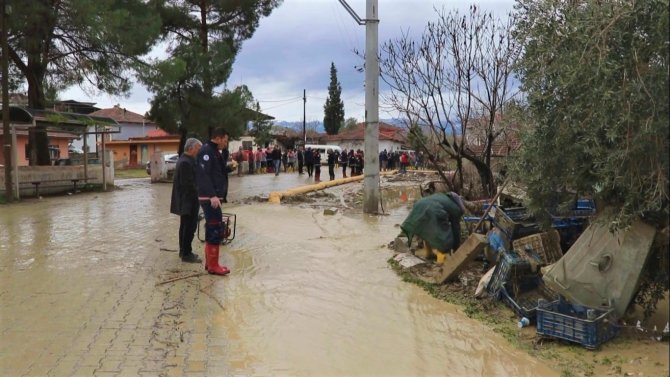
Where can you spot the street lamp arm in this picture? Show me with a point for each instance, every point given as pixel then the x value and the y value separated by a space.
pixel 352 13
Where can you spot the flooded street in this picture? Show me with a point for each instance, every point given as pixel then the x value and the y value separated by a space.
pixel 86 290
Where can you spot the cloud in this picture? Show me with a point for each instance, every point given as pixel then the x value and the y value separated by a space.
pixel 293 48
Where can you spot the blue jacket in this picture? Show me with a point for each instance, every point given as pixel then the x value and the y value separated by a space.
pixel 211 173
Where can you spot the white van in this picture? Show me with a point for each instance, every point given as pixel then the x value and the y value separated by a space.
pixel 323 150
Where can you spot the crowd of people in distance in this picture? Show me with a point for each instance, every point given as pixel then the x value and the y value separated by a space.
pixel 275 160
pixel 401 160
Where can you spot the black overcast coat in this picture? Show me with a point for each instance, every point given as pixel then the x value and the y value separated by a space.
pixel 184 192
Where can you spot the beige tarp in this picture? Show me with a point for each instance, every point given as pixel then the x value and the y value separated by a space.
pixel 602 267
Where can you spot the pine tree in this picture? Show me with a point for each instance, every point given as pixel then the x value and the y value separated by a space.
pixel 57 44
pixel 189 84
pixel 334 108
pixel 261 128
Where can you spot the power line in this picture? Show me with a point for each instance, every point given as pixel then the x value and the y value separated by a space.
pixel 283 104
pixel 279 100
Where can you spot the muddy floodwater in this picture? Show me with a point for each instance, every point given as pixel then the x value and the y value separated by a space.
pixel 85 290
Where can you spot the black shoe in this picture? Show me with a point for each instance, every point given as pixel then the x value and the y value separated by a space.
pixel 191 258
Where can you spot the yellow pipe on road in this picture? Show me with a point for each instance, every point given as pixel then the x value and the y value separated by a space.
pixel 275 196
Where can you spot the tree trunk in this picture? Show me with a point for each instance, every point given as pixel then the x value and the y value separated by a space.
pixel 39 140
pixel 182 140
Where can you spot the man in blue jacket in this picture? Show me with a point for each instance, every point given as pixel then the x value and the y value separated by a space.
pixel 212 180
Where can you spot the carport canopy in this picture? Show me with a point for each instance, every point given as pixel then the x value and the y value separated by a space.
pixel 26 118
pixel 60 121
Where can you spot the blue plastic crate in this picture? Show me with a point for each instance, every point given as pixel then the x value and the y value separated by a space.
pixel 509 267
pixel 522 308
pixel 514 222
pixel 584 207
pixel 589 327
pixel 523 299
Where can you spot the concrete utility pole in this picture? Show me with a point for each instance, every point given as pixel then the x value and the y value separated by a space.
pixel 304 117
pixel 371 167
pixel 7 139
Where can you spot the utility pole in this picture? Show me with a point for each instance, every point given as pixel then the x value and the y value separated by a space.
pixel 6 138
pixel 304 117
pixel 371 168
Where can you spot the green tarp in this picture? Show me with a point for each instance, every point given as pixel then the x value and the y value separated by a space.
pixel 435 219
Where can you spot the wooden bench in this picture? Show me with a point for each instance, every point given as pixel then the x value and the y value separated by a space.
pixel 74 182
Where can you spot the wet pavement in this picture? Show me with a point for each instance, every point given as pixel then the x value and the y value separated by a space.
pixel 86 291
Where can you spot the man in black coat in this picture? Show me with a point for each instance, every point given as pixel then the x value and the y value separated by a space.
pixel 301 159
pixel 185 199
pixel 332 157
pixel 309 161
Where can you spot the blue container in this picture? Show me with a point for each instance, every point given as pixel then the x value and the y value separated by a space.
pixel 584 207
pixel 510 267
pixel 587 326
pixel 522 308
pixel 514 222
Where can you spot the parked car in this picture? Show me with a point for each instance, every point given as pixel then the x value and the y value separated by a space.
pixel 74 150
pixel 170 162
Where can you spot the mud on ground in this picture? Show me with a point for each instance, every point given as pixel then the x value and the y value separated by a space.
pixel 631 353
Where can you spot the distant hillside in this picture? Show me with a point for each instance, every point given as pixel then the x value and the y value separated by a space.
pixel 318 125
pixel 297 125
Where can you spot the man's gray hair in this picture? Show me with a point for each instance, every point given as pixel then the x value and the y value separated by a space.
pixel 190 143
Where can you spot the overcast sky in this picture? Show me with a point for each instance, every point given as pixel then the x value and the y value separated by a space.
pixel 292 50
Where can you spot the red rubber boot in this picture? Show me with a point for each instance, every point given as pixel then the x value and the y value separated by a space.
pixel 212 260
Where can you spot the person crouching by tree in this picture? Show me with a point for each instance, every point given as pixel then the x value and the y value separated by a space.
pixel 184 200
pixel 210 171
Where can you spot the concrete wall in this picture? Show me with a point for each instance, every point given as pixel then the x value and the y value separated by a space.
pixel 57 179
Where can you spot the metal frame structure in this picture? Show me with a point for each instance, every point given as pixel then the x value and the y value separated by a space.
pixel 25 118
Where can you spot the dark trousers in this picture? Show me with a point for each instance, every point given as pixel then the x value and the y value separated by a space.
pixel 213 218
pixel 187 226
pixel 331 171
pixel 310 169
pixel 300 167
pixel 344 170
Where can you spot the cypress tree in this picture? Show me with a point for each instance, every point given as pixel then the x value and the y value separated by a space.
pixel 334 108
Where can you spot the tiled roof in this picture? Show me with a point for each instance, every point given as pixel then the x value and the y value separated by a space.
pixel 498 148
pixel 386 132
pixel 122 115
pixel 158 133
pixel 506 142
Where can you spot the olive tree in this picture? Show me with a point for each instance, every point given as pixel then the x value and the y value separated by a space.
pixel 595 76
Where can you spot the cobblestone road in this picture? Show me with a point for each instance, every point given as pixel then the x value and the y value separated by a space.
pixel 81 296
